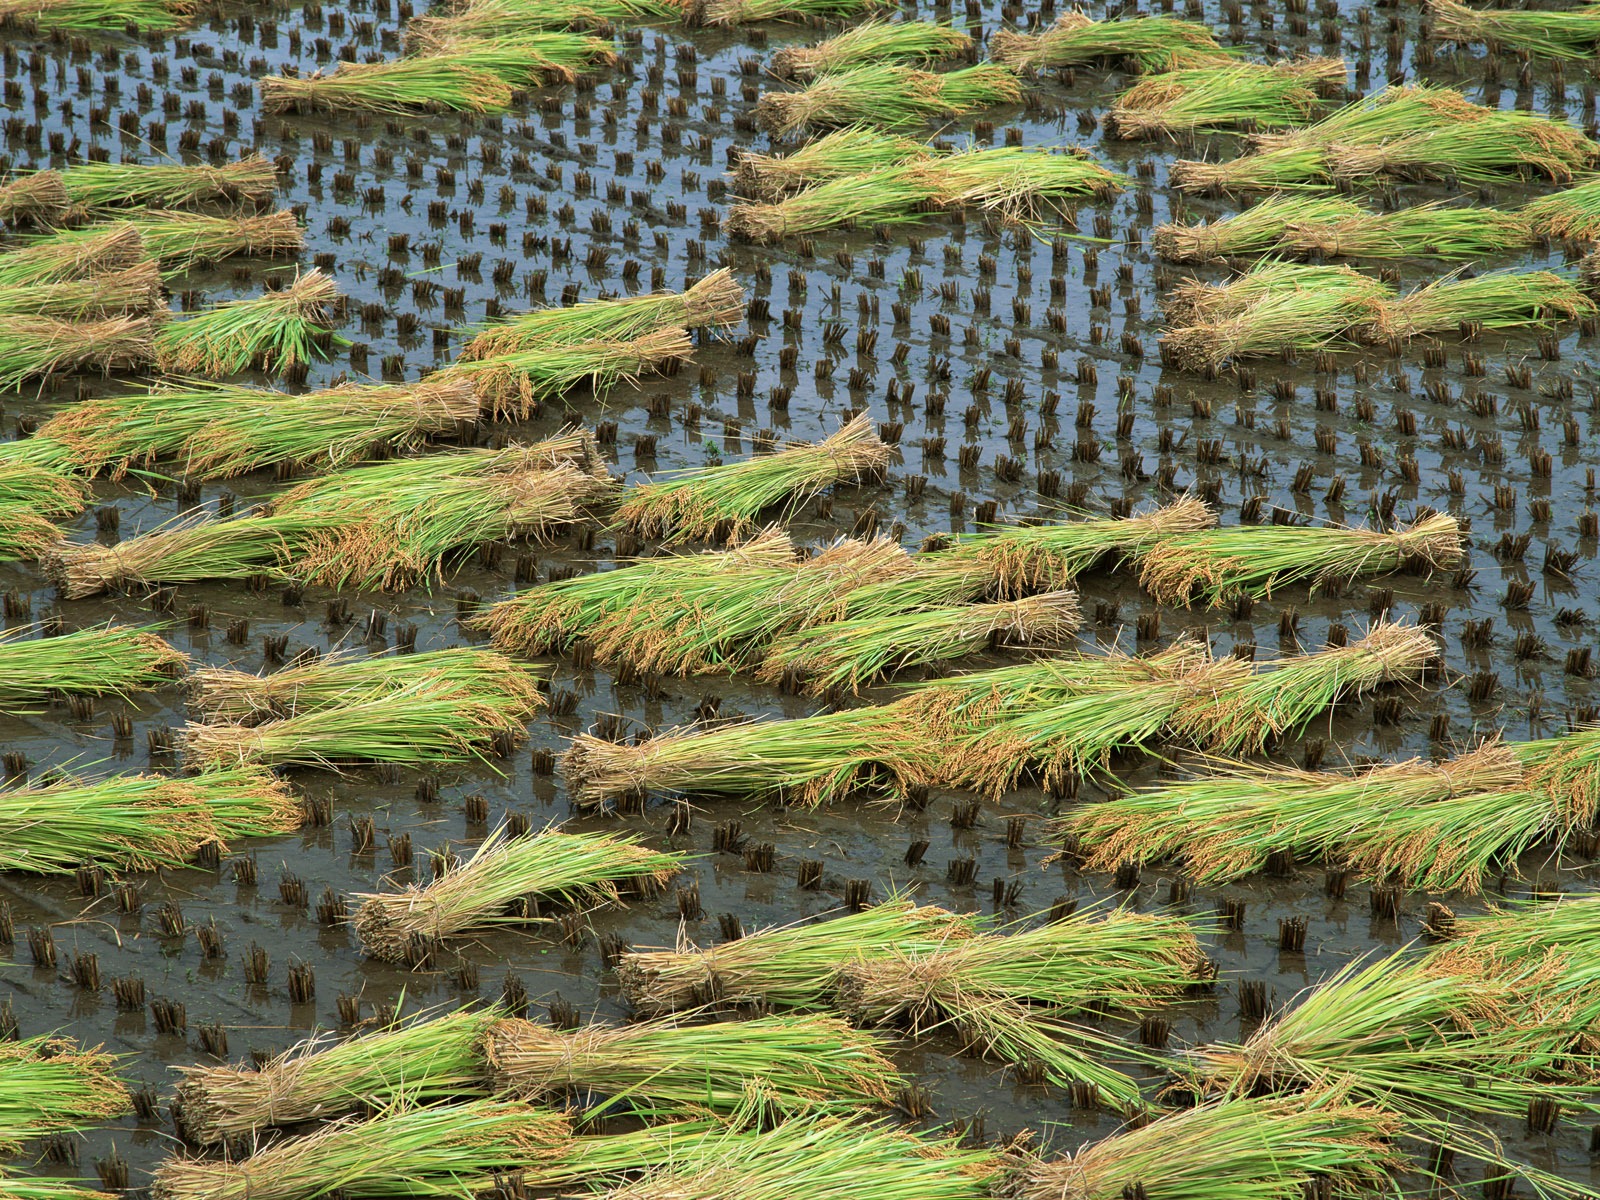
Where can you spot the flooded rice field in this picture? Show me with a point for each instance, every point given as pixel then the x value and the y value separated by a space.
pixel 1008 363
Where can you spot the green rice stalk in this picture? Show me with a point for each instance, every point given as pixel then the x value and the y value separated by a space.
pixel 1022 185
pixel 218 430
pixel 1572 214
pixel 1568 34
pixel 77 255
pixel 891 195
pixel 504 883
pixel 787 966
pixel 31 347
pixel 224 695
pixel 50 1085
pixel 715 301
pixel 745 12
pixel 729 499
pixel 1225 96
pixel 91 16
pixel 1242 1147
pixel 92 186
pixel 115 660
pixel 529 60
pixel 139 822
pixel 780 1065
pixel 516 385
pixel 38 198
pixel 401 1152
pixel 1496 300
pixel 1145 44
pixel 513 18
pixel 1256 560
pixel 910 43
pixel 277 330
pixel 423 1061
pixel 402 88
pixel 838 155
pixel 135 292
pixel 548 618
pixel 19 1188
pixel 1245 715
pixel 818 1158
pixel 849 655
pixel 887 96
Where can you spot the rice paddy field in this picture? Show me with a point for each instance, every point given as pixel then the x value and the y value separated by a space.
pixel 799 598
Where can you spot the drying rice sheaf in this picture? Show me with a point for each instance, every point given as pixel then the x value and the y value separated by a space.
pixel 282 328
pixel 886 96
pixel 54 198
pixel 112 661
pixel 1148 44
pixel 52 1085
pixel 913 43
pixel 837 155
pixel 1261 95
pixel 497 18
pixel 1567 34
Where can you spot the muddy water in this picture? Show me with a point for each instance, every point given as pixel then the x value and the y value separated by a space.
pixel 531 189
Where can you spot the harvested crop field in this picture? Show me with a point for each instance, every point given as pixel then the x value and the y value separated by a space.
pixel 799 598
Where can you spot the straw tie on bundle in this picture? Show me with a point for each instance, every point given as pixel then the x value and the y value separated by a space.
pixel 913 43
pixel 50 1085
pixel 888 97
pixel 1143 43
pixel 1262 95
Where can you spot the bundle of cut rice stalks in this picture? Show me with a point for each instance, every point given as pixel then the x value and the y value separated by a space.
pixel 50 1085
pixel 1218 565
pixel 1227 95
pixel 886 96
pixel 31 492
pixel 282 328
pixel 94 16
pixel 135 292
pixel 111 661
pixel 32 347
pixel 1147 44
pixel 500 18
pixel 720 502
pixel 776 1065
pixel 716 301
pixel 1567 34
pixel 1264 1148
pixel 81 254
pixel 838 155
pixel 445 1150
pixel 92 186
pixel 912 43
pixel 787 966
pixel 182 241
pixel 1333 227
pixel 745 12
pixel 504 883
pixel 1572 214
pixel 517 383
pixel 14 1187
pixel 139 822
pixel 889 195
pixel 1496 300
pixel 218 430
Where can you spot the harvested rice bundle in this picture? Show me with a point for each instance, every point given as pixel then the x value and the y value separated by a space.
pixel 1145 44
pixel 281 328
pixel 139 822
pixel 218 430
pixel 913 43
pixel 182 241
pixel 1497 300
pixel 515 385
pixel 402 87
pixel 1256 560
pixel 840 154
pixel 34 346
pixel 1247 714
pixel 76 255
pixel 529 60
pixel 781 1064
pixel 727 500
pixel 420 1062
pixel 819 1158
pixel 225 695
pixel 1259 230
pixel 50 1085
pixel 34 1188
pixel 1569 34
pixel 785 966
pixel 1572 214
pixel 38 198
pixel 850 654
pixel 715 301
pixel 504 883
pixel 891 195
pixel 498 18
pixel 888 97
pixel 92 186
pixel 89 16
pixel 745 12
pixel 1265 1148
pixel 30 494
pixel 1227 95
pixel 1021 184
pixel 111 661
pixel 135 292
pixel 446 1150
pixel 1567 770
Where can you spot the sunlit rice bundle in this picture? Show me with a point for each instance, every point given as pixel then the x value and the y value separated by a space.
pixel 219 430
pixel 504 883
pixel 729 499
pixel 777 1064
pixel 139 822
pixel 114 660
pixel 496 18
pixel 527 59
pixel 281 328
pixel 888 97
pixel 1247 714
pixel 422 1061
pixel 715 301
pixel 1021 184
pixel 1571 33
pixel 90 16
pixel 1572 214
pixel 889 195
pixel 135 292
pixel 1193 301
pixel 516 384
pixel 744 12
pixel 1226 95
pixel 837 155
pixel 445 1150
pixel 1264 1148
pixel 912 43
pixel 181 241
pixel 401 87
pixel 1567 770
pixel 849 654
pixel 75 255
pixel 49 1085
pixel 226 695
pixel 38 198
pixel 786 966
pixel 1142 43
pixel 1255 560
pixel 1261 229
pixel 97 185
pixel 34 346
pixel 1495 300
pixel 31 494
